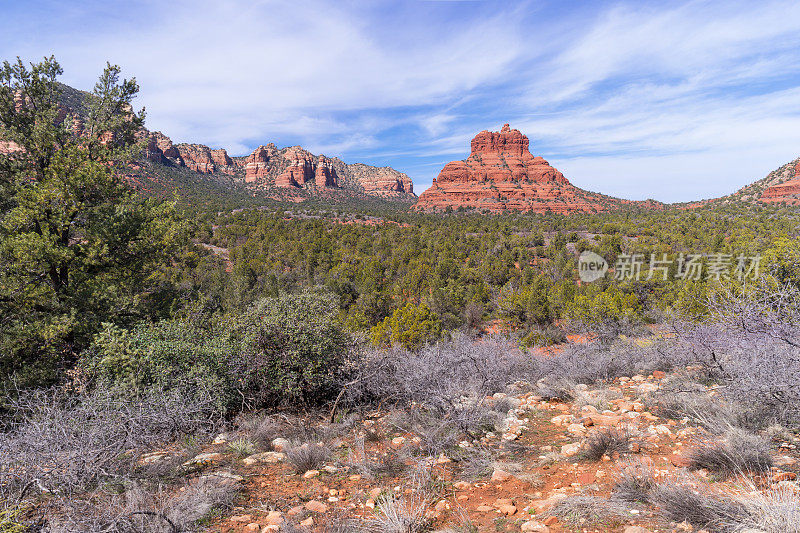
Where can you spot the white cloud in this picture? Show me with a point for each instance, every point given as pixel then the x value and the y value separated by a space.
pixel 672 101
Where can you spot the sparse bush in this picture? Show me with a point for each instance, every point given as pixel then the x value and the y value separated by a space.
pixel 477 464
pixel 589 511
pixel 242 447
pixel 398 515
pixel 739 452
pixel 307 456
pixel 554 388
pixel 751 345
pixel 775 510
pixel 65 443
pixel 388 464
pixel 634 483
pixel 606 441
pixel 140 510
pixel 679 502
pixel 267 430
pixel 449 381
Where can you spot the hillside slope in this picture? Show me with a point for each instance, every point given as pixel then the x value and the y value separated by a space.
pixel 781 186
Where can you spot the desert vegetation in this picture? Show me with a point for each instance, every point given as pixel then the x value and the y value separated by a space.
pixel 418 373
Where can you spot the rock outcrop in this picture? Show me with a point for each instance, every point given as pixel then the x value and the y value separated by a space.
pixel 296 168
pixel 203 159
pixel 781 186
pixel 501 173
pixel 257 166
pixel 382 181
pixel 269 170
pixel 787 192
pixel 197 157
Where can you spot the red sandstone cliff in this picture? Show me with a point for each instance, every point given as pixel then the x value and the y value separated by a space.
pixel 296 168
pixel 787 192
pixel 501 173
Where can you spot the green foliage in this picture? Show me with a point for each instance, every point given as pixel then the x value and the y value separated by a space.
pixel 169 354
pixel 77 248
pixel 10 519
pixel 609 304
pixel 281 350
pixel 528 305
pixel 289 349
pixel 410 326
pixel 782 260
pixel 543 336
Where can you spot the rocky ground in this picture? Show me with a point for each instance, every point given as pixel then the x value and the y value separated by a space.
pixel 620 457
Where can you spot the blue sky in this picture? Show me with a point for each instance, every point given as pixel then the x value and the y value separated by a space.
pixel 667 100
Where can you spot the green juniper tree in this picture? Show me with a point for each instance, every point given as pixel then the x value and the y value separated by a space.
pixel 77 246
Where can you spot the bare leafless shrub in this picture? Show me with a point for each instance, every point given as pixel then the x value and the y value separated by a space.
pixel 289 527
pixel 436 434
pixel 634 483
pixel 738 452
pixel 63 443
pixel 437 376
pixel 399 515
pixel 751 344
pixel 596 361
pixel 680 502
pixel 477 463
pixel 606 442
pixel 556 388
pixel 264 430
pixel 502 406
pixel 589 511
pixel 514 449
pixel 391 463
pixel 142 510
pixel 775 510
pixel 307 456
pixel 679 397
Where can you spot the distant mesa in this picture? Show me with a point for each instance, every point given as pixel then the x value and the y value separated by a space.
pixel 502 174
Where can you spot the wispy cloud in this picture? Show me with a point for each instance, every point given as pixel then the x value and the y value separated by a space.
pixel 673 101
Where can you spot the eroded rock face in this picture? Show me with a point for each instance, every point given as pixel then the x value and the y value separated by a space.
pixel 295 167
pixel 201 158
pixel 501 173
pixel 325 175
pixel 197 157
pixel 382 181
pixel 787 192
pixel 301 169
pixel 256 165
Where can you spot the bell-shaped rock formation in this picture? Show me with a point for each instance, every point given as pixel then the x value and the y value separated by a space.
pixel 501 173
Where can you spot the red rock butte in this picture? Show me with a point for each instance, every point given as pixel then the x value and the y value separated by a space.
pixel 501 173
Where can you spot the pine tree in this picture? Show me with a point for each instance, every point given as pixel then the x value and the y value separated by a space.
pixel 77 247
